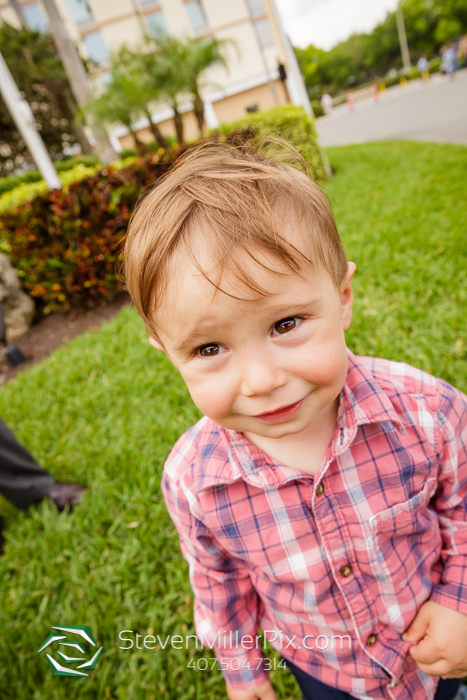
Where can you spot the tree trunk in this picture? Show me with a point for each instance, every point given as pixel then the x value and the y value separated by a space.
pixel 178 122
pixel 157 133
pixel 141 148
pixel 199 112
pixel 68 108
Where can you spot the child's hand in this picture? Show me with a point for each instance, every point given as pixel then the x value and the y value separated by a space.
pixel 265 691
pixel 440 637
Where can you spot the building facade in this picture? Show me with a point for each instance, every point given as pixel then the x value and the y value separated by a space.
pixel 252 81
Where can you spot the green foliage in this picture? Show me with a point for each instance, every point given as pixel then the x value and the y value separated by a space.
pixel 107 408
pixel 287 122
pixel 128 153
pixel 28 191
pixel 401 210
pixel 365 57
pixel 177 69
pixel 12 181
pixel 65 244
pixel 39 74
pixel 317 108
pixel 163 70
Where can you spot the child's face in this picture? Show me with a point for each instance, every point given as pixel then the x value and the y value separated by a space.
pixel 267 366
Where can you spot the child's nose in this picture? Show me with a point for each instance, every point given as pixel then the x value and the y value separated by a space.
pixel 260 377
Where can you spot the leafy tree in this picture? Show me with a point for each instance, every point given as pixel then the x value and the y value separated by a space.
pixel 177 68
pixel 129 95
pixel 363 57
pixel 39 74
pixel 162 61
pixel 202 55
pixel 116 106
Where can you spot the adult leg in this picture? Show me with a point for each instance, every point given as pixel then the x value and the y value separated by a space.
pixel 22 480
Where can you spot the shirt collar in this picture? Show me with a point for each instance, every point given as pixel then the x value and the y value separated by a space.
pixel 362 401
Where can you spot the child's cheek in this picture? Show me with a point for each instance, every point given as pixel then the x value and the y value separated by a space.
pixel 211 396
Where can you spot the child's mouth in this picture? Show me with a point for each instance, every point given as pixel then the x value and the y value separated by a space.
pixel 281 414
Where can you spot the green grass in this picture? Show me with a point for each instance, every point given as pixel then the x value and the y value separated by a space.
pixel 106 408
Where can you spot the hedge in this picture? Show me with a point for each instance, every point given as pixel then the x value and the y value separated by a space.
pixel 65 245
pixel 287 122
pixel 10 182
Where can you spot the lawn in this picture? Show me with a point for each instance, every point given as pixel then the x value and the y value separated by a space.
pixel 106 408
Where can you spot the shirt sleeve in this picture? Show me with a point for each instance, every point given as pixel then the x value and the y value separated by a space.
pixel 226 603
pixel 451 497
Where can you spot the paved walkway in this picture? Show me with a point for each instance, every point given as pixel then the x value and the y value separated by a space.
pixel 433 112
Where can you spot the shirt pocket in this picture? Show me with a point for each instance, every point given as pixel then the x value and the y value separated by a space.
pixel 403 535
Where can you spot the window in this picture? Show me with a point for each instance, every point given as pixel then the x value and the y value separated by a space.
pixel 97 50
pixel 196 14
pixel 265 35
pixel 256 8
pixel 35 18
pixel 80 11
pixel 155 22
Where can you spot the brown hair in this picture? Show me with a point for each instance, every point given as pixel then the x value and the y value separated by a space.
pixel 235 199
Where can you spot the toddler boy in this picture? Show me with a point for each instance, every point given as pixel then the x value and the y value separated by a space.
pixel 322 497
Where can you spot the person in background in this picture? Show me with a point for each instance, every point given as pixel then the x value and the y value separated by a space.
pixel 326 103
pixel 423 67
pixel 23 481
pixel 449 60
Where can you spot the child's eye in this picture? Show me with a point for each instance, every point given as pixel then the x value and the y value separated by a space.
pixel 210 350
pixel 285 325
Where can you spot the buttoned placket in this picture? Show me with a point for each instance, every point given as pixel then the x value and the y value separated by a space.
pixel 342 572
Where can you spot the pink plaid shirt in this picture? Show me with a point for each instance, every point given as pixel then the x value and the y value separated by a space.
pixel 344 559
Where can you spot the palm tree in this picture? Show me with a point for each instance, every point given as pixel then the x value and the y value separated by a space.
pixel 142 92
pixel 203 54
pixel 126 98
pixel 163 60
pixel 115 106
pixel 179 70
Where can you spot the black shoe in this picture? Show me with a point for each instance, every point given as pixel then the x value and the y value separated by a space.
pixel 66 495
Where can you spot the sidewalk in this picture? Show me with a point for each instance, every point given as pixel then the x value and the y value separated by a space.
pixel 433 112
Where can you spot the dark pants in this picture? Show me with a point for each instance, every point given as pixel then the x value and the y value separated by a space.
pixel 313 689
pixel 22 480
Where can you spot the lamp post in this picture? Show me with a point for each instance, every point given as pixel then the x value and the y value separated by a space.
pixel 403 38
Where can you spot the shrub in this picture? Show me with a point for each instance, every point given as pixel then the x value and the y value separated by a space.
pixel 317 108
pixel 65 244
pixel 128 153
pixel 27 191
pixel 288 122
pixel 12 181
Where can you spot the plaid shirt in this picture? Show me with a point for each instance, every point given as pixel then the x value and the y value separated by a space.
pixel 354 551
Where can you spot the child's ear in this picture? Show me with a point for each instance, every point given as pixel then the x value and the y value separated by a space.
pixel 156 344
pixel 346 293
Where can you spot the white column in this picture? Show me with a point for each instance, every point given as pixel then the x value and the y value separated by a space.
pixel 210 115
pixel 24 120
pixel 295 82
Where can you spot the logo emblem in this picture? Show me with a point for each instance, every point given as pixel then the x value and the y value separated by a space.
pixel 71 650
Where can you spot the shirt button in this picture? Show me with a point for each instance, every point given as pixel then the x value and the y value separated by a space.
pixel 346 571
pixel 371 641
pixel 320 489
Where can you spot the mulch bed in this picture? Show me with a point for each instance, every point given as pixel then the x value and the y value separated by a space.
pixel 50 332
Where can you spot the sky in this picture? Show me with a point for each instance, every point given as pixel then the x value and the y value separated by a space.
pixel 326 22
